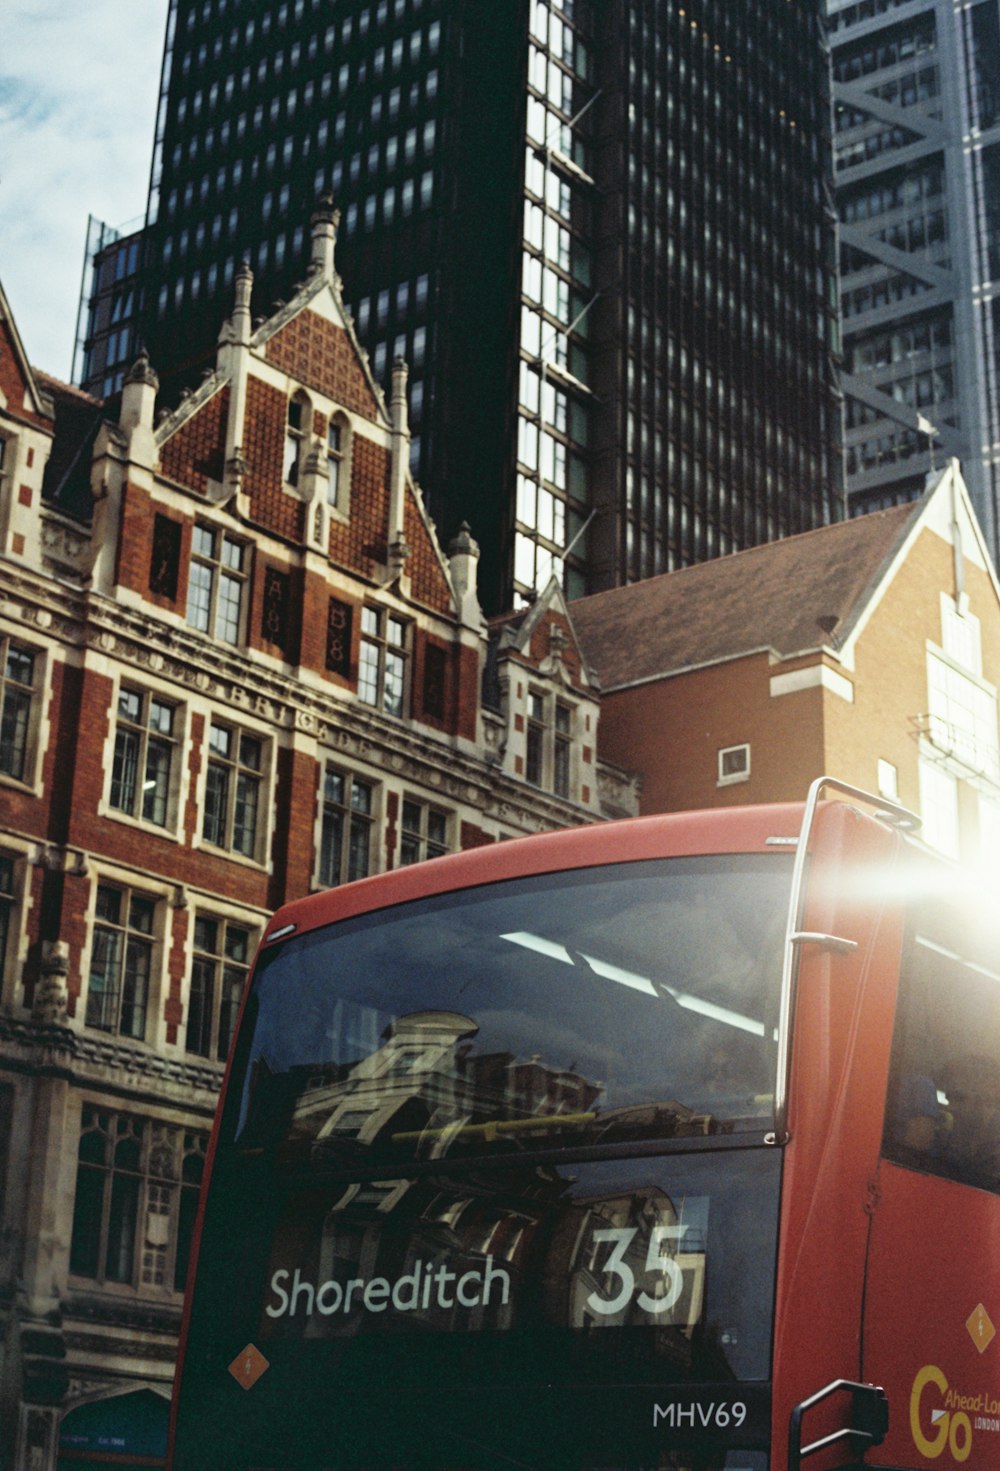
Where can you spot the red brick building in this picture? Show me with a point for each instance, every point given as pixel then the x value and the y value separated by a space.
pixel 867 650
pixel 235 666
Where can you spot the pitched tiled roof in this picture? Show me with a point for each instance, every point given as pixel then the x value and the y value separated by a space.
pixel 790 596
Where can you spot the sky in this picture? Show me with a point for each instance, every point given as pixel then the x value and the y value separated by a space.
pixel 78 92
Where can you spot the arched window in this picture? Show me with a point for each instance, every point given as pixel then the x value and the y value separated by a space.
pixel 296 436
pixel 338 439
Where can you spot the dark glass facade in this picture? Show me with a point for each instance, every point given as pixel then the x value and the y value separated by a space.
pixel 106 334
pixel 597 230
pixel 729 427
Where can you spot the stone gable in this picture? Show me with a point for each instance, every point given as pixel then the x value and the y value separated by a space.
pixel 319 354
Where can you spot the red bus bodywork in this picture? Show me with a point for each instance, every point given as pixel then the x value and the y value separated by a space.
pixel 885 1276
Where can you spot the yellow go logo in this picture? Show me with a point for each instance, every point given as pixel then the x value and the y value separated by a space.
pixel 953 1430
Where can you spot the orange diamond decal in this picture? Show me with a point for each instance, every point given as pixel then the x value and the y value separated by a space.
pixel 981 1330
pixel 248 1366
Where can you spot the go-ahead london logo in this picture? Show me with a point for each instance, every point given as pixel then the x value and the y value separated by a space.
pixel 942 1418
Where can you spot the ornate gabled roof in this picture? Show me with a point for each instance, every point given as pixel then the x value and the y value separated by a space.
pixel 523 634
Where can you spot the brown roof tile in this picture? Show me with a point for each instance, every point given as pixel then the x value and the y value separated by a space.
pixel 789 595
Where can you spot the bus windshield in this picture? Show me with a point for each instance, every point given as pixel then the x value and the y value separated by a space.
pixel 634 1001
pixel 492 1185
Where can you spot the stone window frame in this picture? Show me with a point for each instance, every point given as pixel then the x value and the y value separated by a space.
pixel 298 433
pixel 340 461
pixel 426 830
pixel 550 741
pixel 333 846
pixel 216 1028
pixel 177 741
pixel 385 653
pixel 132 1171
pixel 15 694
pixel 15 860
pixel 151 942
pixel 221 571
pixel 262 777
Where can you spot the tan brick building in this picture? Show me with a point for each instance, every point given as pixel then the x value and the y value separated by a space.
pixel 867 650
pixel 235 666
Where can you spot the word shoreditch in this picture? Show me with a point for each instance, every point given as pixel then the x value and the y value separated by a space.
pixel 425 1287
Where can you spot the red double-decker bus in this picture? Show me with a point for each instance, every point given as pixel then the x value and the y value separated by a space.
pixel 671 1143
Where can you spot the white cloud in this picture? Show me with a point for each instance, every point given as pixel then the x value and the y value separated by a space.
pixel 78 92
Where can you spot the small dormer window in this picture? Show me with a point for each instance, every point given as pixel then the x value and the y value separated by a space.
pixel 295 437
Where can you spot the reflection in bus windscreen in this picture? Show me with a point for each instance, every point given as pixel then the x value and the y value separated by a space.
pixel 597 1006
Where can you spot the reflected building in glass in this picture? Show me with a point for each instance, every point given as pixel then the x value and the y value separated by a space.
pixel 917 145
pixel 600 234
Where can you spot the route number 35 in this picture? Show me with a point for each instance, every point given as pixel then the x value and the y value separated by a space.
pixel 659 1260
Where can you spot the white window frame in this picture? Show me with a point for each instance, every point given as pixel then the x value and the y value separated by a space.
pixel 939 810
pixel 416 836
pixel 370 818
pixel 338 495
pixel 222 960
pixel 35 739
pixel 129 887
pixel 234 764
pixel 220 573
pixel 962 714
pixel 147 735
pixel 378 646
pixel 888 780
pixel 725 757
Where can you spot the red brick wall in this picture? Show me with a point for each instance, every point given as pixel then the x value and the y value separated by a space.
pixel 671 733
pixel 12 381
pixel 468 694
pixel 890 677
pixel 361 545
pixel 135 539
pixel 427 580
pixel 195 453
pixel 318 354
pixel 296 811
pixel 264 450
pixel 473 837
pixel 391 829
pixel 135 546
pixel 173 1008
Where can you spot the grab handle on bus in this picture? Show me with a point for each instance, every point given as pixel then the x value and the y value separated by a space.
pixel 828 942
pixel 890 812
pixel 869 1419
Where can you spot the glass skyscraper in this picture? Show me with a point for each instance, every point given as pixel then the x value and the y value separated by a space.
pixel 917 133
pixel 600 232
